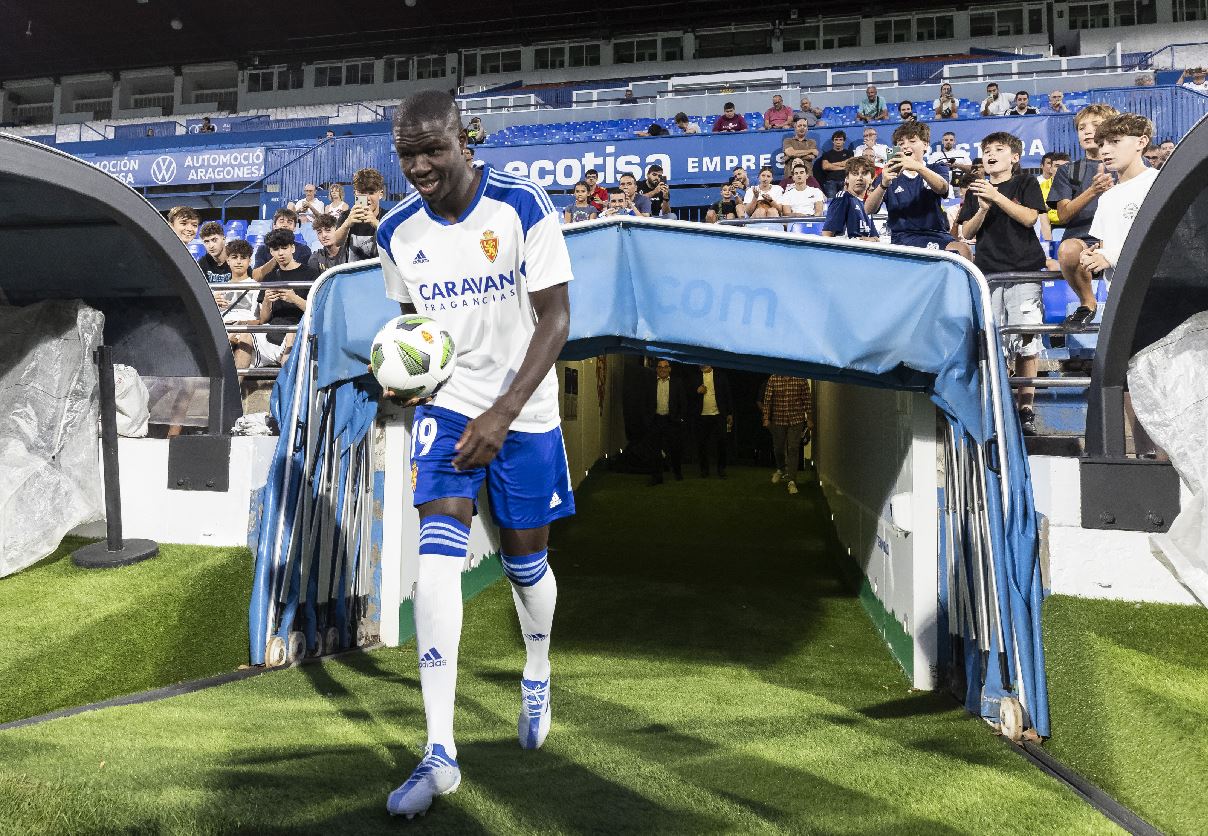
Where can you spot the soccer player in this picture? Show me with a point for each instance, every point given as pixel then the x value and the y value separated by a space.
pixel 482 251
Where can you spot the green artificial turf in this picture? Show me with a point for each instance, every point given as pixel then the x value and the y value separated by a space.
pixel 712 674
pixel 74 636
pixel 1128 686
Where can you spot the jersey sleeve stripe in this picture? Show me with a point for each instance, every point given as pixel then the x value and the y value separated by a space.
pixel 392 219
pixel 510 180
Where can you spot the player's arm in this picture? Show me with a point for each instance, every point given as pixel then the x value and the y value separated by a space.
pixel 485 434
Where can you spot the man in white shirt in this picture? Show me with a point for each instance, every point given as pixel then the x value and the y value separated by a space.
pixel 1199 79
pixel 994 104
pixel 802 199
pixel 309 207
pixel 955 158
pixel 482 251
pixel 665 424
pixel 880 151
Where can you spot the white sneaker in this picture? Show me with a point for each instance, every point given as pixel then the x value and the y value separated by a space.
pixel 437 774
pixel 533 725
pixel 792 487
pixel 776 477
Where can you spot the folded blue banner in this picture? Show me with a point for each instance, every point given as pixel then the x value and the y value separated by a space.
pixel 174 168
pixel 704 159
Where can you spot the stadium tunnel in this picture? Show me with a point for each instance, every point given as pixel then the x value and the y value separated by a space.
pixel 925 341
pixel 70 231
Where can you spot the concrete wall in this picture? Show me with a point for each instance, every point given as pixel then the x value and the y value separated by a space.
pixel 876 459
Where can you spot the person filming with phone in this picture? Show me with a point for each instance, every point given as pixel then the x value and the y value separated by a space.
pixel 357 229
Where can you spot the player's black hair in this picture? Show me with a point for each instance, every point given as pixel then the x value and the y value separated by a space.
pixel 427 106
pixel 278 239
pixel 728 106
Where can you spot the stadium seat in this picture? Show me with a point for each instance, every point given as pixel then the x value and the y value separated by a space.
pixel 196 249
pixel 235 229
pixel 259 227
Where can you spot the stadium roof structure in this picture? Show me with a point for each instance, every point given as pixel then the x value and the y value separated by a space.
pixel 46 39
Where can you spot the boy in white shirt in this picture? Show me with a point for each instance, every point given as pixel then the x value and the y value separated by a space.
pixel 1122 142
pixel 802 199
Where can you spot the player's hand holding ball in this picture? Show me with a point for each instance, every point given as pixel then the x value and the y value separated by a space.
pixel 412 357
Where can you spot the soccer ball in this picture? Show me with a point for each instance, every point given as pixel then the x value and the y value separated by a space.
pixel 413 355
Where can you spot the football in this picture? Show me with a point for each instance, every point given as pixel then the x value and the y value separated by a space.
pixel 413 355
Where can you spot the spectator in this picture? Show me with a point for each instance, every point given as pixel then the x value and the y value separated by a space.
pixel 239 306
pixel 1153 156
pixel 1049 164
pixel 581 209
pixel 906 112
pixel 150 132
pixel 629 98
pixel 358 227
pixel 870 154
pixel 957 160
pixel 653 129
pixel 1057 103
pixel 206 126
pixel 1167 147
pixel 913 192
pixel 330 253
pixel 714 411
pixel 1143 80
pixel 619 204
pixel 879 150
pixel 812 115
pixel 994 104
pixel 763 201
pixel 799 146
pixel 329 134
pixel 467 154
pixel 1122 139
pixel 476 134
pixel 686 125
pixel 1199 79
pixel 184 221
pixel 801 199
pixel 285 306
pixel 724 209
pixel 664 412
pixel 729 122
pixel 787 406
pixel 741 183
pixel 832 164
pixel 873 108
pixel 262 262
pixel 657 191
pixel 639 202
pixel 214 262
pixel 846 215
pixel 309 207
pixel 337 206
pixel 946 106
pixel 777 116
pixel 1075 195
pixel 1021 106
pixel 598 195
pixel 1000 212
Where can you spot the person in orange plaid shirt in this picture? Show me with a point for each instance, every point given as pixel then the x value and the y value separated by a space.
pixel 787 408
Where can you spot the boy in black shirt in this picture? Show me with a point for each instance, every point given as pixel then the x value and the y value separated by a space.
pixel 724 209
pixel 1001 212
pixel 285 306
pixel 213 263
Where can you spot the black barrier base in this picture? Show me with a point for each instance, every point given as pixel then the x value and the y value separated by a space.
pixel 98 556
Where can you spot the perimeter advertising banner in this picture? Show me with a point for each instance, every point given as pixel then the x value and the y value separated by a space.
pixel 174 168
pixel 704 159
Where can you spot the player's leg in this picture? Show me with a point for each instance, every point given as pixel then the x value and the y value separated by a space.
pixel 529 486
pixel 444 498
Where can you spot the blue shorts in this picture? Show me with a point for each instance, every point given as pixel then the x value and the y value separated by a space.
pixel 528 482
pixel 923 240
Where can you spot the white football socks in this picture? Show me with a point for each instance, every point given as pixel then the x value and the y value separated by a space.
pixel 438 612
pixel 535 593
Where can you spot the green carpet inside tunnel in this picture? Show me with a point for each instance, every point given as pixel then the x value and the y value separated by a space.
pixel 712 673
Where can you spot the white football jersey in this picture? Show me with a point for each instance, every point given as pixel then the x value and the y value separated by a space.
pixel 474 277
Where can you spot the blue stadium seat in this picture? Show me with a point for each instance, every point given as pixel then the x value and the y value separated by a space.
pixel 259 227
pixel 235 229
pixel 196 249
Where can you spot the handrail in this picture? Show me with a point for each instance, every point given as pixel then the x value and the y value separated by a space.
pixel 259 285
pixel 255 183
pixel 1145 62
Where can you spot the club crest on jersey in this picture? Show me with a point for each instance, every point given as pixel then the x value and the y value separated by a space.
pixel 490 245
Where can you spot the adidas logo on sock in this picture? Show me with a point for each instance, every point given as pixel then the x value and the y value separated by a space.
pixel 432 659
pixel 420 258
pixel 555 500
pixel 536 637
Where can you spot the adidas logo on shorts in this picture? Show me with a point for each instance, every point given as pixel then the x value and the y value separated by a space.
pixel 555 500
pixel 432 659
